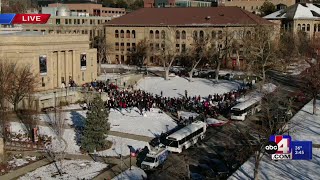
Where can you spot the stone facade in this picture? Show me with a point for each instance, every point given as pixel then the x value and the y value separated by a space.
pixel 123 38
pixel 62 53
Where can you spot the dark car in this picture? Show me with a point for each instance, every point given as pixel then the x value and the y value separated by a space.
pixel 203 169
pixel 217 165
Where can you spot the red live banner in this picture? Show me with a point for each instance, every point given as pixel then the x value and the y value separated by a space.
pixel 31 19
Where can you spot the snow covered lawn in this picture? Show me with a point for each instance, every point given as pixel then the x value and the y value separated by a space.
pixel 72 170
pixel 304 126
pixel 120 146
pixel 69 135
pixel 134 174
pixel 176 86
pixel 150 124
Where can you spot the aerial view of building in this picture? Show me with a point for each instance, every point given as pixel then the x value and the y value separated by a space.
pixel 157 89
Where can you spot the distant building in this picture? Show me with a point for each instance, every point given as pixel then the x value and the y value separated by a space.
pixel 255 5
pixel 45 3
pixel 92 9
pixel 303 17
pixel 153 24
pixel 175 3
pixel 65 21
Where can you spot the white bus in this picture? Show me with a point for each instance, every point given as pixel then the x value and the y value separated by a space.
pixel 246 108
pixel 185 137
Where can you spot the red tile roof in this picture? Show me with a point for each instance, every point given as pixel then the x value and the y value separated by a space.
pixel 192 16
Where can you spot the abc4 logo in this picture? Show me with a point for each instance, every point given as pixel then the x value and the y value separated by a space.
pixel 271 147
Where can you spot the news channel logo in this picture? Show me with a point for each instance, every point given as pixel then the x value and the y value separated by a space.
pixel 279 146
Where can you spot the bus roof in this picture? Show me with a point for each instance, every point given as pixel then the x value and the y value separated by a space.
pixel 193 127
pixel 247 103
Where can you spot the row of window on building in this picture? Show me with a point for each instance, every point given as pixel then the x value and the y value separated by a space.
pixel 178 34
pixel 79 21
pixel 307 27
pixel 152 46
pixel 97 10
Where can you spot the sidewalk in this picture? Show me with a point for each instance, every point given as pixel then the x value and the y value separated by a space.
pixel 116 170
pixel 21 171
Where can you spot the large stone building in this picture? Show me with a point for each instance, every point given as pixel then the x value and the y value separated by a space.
pixel 255 5
pixel 153 24
pixel 303 17
pixel 93 9
pixel 54 58
pixel 64 21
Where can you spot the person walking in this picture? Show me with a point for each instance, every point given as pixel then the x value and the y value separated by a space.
pixel 186 94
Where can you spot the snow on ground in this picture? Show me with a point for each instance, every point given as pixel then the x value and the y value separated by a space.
pixel 150 124
pixel 134 174
pixel 185 115
pixel 176 86
pixel 17 162
pixel 305 127
pixel 72 169
pixel 120 146
pixel 297 68
pixel 69 135
pixel 215 122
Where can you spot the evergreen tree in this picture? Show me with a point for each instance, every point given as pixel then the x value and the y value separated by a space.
pixel 95 127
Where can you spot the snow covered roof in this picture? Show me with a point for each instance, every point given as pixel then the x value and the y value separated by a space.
pixel 297 11
pixel 193 127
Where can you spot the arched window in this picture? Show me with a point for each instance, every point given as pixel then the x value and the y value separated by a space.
pixel 299 27
pixel 133 34
pixel 213 34
pixel 315 28
pixel 195 35
pixel 303 27
pixel 308 27
pixel 183 35
pixel 122 34
pixel 116 34
pixel 177 34
pixel 163 34
pixel 151 34
pixel 201 34
pixel 220 34
pixel 157 34
pixel 248 34
pixel 127 34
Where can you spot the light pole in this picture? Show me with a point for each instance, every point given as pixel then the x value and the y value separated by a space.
pixel 55 106
pixel 131 153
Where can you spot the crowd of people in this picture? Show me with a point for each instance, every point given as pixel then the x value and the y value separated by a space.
pixel 128 97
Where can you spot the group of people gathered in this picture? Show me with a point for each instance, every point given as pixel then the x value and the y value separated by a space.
pixel 128 97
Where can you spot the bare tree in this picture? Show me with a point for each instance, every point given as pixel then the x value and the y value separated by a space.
pixel 139 53
pixel 312 80
pixel 168 51
pixel 28 117
pixel 24 83
pixel 198 53
pixel 56 150
pixel 221 47
pixel 103 49
pixel 272 119
pixel 260 52
pixel 7 71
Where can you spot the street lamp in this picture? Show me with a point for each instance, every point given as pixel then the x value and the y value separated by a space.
pixel 132 153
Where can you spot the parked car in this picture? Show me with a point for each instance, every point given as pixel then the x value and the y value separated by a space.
pixel 217 165
pixel 229 76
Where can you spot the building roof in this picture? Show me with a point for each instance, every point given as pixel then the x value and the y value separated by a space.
pixel 189 16
pixel 297 11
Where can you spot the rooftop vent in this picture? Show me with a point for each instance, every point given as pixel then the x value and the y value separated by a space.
pixel 208 17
